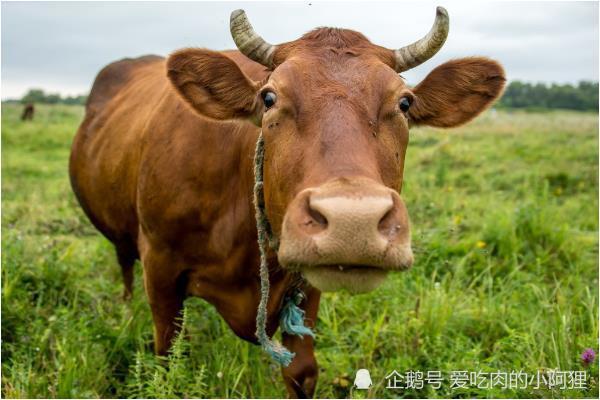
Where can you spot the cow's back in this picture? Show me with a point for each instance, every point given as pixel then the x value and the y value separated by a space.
pixel 142 153
pixel 106 147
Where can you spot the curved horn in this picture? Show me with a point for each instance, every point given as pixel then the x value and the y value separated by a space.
pixel 248 41
pixel 423 49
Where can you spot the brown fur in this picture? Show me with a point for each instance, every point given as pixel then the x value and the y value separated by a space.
pixel 163 171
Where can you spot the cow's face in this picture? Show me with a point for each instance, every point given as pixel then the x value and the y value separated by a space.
pixel 335 140
pixel 335 117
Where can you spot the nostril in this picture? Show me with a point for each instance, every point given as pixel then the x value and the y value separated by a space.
pixel 390 224
pixel 316 216
pixel 310 220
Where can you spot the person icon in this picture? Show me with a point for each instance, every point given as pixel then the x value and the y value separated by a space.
pixel 363 379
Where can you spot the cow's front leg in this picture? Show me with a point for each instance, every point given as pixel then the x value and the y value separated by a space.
pixel 166 295
pixel 301 375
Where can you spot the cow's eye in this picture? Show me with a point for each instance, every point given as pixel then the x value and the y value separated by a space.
pixel 269 98
pixel 405 104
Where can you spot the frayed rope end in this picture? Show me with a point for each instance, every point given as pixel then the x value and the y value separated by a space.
pixel 292 322
pixel 278 353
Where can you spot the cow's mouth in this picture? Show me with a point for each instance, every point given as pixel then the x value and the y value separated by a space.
pixel 354 278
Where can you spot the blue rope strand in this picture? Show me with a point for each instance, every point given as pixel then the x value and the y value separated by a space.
pixel 292 316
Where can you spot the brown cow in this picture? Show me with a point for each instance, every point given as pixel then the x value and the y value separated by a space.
pixel 163 166
pixel 28 111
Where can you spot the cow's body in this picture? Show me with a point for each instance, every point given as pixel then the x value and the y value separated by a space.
pixel 28 111
pixel 175 189
pixel 163 166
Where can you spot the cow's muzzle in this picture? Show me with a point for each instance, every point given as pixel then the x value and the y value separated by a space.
pixel 346 234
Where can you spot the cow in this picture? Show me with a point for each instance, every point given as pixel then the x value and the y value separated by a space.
pixel 162 165
pixel 28 111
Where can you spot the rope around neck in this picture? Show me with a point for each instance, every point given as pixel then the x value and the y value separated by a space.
pixel 292 316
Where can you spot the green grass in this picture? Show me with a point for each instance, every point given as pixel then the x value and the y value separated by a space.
pixel 504 218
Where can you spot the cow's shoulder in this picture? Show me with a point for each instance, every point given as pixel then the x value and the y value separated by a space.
pixel 114 76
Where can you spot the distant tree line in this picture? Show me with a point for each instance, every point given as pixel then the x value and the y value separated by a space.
pixel 583 96
pixel 533 96
pixel 38 96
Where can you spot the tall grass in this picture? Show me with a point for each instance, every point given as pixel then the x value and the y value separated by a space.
pixel 504 216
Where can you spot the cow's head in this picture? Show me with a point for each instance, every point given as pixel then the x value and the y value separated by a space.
pixel 335 117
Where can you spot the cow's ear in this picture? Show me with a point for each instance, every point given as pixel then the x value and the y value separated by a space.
pixel 456 91
pixel 213 84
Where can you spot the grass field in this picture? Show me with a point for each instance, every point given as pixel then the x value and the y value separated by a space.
pixel 504 218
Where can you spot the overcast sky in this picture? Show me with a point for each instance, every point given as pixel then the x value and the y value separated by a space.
pixel 60 46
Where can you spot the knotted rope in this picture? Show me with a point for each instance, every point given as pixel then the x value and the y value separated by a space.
pixel 292 316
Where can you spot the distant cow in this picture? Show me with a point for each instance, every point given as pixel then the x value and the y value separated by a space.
pixel 28 111
pixel 163 166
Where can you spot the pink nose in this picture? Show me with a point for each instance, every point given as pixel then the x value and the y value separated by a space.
pixel 358 223
pixel 374 217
